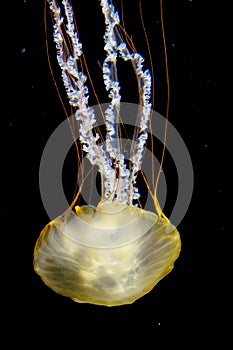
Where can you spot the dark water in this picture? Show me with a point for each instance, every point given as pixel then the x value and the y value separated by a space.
pixel 184 307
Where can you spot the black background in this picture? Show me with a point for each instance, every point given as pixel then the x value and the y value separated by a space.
pixel 183 309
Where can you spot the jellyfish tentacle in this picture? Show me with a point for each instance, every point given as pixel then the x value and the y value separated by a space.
pixel 74 81
pixel 112 40
pixel 118 182
pixel 116 46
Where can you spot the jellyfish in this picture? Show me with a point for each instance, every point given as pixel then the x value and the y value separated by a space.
pixel 116 252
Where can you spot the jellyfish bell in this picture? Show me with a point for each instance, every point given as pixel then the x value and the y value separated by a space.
pixel 116 252
pixel 109 255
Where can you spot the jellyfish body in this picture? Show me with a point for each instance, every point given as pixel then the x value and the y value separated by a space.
pixel 115 253
pixel 111 255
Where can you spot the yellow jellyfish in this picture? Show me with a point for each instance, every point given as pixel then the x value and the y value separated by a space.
pixel 116 252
